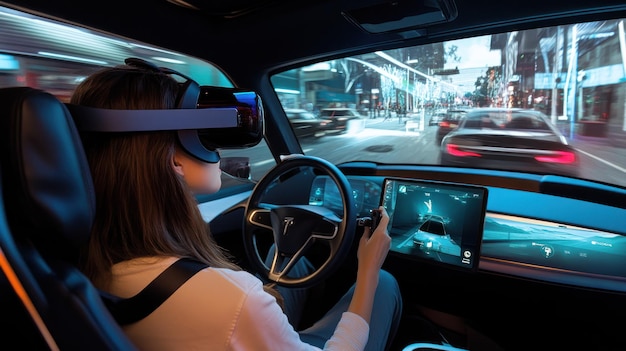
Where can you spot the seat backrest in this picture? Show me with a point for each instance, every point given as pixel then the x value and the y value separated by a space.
pixel 46 217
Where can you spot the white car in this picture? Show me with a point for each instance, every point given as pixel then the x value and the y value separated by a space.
pixel 432 236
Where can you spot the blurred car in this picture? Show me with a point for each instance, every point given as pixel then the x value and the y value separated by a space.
pixel 449 122
pixel 436 118
pixel 342 119
pixel 510 139
pixel 431 236
pixel 305 124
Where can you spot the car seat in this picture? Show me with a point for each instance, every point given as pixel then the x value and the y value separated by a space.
pixel 46 212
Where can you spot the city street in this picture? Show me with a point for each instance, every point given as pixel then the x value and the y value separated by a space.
pixel 387 140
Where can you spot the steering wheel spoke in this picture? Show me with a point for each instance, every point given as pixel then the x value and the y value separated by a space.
pixel 260 217
pixel 281 265
pixel 296 227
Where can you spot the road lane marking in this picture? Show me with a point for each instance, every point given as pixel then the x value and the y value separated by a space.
pixel 623 170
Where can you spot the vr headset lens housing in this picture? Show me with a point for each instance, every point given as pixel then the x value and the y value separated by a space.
pixel 250 126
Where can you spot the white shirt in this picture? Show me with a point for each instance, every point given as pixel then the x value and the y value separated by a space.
pixel 220 309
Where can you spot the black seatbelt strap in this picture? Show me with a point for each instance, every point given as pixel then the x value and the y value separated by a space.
pixel 133 309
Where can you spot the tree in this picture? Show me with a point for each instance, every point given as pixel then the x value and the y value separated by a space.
pixel 351 73
pixel 488 87
pixel 451 54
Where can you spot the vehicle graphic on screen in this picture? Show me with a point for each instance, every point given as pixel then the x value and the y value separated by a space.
pixel 431 236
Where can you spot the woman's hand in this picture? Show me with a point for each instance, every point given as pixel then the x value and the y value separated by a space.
pixel 372 251
pixel 373 247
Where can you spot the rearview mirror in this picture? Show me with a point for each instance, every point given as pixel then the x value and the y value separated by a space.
pixel 382 16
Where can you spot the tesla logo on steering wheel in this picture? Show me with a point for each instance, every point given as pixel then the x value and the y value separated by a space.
pixel 287 222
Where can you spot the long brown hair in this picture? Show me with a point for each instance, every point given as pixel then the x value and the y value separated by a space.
pixel 143 207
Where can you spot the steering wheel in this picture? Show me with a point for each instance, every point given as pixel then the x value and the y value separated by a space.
pixel 295 227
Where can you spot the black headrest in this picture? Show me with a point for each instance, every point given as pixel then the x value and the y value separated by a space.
pixel 48 190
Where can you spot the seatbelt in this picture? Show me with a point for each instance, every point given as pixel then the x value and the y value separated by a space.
pixel 136 308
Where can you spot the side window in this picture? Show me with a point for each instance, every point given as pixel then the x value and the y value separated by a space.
pixel 50 60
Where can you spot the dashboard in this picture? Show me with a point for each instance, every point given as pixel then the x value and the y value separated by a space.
pixel 525 233
pixel 436 221
pixel 366 193
pixel 555 249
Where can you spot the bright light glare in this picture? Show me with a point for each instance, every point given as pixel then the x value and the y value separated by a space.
pixel 563 157
pixel 71 58
pixel 454 150
pixel 169 60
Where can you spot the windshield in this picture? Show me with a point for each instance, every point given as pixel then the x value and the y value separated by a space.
pixel 406 105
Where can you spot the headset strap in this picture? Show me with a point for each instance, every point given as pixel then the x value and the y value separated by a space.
pixel 133 309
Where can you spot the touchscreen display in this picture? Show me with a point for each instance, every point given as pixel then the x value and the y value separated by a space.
pixel 436 221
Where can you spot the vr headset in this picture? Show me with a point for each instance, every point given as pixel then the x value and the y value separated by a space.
pixel 206 118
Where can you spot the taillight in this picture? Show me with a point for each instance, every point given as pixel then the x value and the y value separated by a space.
pixel 444 124
pixel 454 150
pixel 558 157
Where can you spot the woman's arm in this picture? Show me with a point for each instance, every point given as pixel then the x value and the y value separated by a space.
pixel 371 254
pixel 262 325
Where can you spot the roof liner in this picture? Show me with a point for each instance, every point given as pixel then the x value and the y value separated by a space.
pixel 322 29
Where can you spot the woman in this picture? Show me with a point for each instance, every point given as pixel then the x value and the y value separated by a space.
pixel 147 218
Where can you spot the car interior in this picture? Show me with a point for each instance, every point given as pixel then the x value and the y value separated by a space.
pixel 523 259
